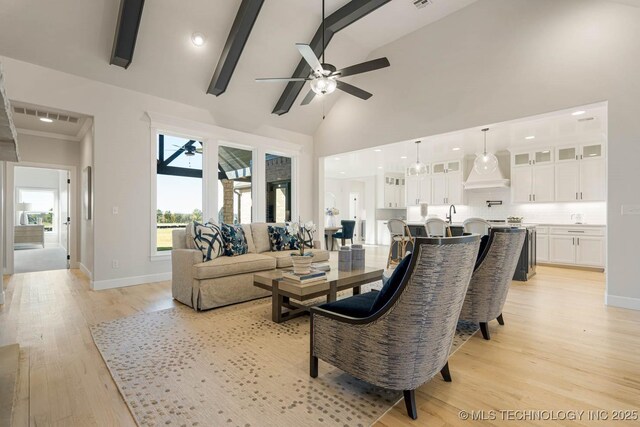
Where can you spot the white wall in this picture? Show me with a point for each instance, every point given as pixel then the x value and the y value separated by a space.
pixel 86 226
pixel 122 164
pixel 498 60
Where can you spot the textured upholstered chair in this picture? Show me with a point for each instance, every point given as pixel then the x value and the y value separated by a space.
pixel 437 227
pixel 491 279
pixel 348 229
pixel 405 342
pixel 400 239
pixel 476 226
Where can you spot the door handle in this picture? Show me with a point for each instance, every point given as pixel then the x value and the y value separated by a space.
pixel 576 195
pixel 534 197
pixel 578 241
pixel 573 241
pixel 581 195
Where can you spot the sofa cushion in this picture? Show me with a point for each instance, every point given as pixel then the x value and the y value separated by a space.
pixel 251 247
pixel 260 234
pixel 392 285
pixel 283 258
pixel 208 238
pixel 355 306
pixel 281 239
pixel 229 266
pixel 234 241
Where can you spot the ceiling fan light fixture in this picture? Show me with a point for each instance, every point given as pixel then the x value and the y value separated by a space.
pixel 323 85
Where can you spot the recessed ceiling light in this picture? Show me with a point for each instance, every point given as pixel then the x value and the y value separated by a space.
pixel 455 149
pixel 342 173
pixel 578 113
pixel 46 120
pixel 198 39
pixel 377 150
pixel 336 158
pixel 379 167
pixel 530 137
pixel 403 157
pixel 545 152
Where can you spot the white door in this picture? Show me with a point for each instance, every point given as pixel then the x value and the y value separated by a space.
pixel 592 180
pixel 562 249
pixel 542 248
pixel 590 251
pixel 521 184
pixel 354 213
pixel 439 189
pixel 568 181
pixel 543 183
pixel 454 188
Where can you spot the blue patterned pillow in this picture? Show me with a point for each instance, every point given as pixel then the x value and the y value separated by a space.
pixel 281 240
pixel 208 238
pixel 235 242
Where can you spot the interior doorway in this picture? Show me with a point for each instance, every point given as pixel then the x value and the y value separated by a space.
pixel 41 219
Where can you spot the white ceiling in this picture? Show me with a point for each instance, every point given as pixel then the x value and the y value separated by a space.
pixel 63 129
pixel 76 36
pixel 550 130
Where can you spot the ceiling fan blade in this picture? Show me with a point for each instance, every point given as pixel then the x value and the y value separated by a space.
pixel 352 90
pixel 311 58
pixel 307 99
pixel 283 79
pixel 363 67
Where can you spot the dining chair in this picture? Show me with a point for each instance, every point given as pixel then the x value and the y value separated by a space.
pixel 477 226
pixel 400 239
pixel 437 227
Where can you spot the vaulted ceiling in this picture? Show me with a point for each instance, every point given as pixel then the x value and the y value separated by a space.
pixel 76 36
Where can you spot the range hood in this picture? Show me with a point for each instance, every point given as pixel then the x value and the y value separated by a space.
pixel 495 179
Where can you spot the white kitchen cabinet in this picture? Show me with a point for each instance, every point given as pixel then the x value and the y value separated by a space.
pixel 394 192
pixel 417 190
pixel 590 251
pixel 532 183
pixel 542 247
pixel 580 173
pixel 562 249
pixel 446 183
pixel 382 233
pixel 572 245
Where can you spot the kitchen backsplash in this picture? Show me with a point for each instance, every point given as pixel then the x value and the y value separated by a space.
pixel 550 213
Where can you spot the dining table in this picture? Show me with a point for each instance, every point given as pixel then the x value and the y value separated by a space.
pixel 328 235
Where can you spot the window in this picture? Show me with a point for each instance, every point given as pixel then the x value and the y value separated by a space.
pixel 41 206
pixel 278 186
pixel 234 185
pixel 178 186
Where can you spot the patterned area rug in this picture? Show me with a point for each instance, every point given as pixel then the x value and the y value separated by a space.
pixel 233 366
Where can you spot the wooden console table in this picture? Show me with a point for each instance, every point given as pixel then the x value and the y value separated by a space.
pixel 33 234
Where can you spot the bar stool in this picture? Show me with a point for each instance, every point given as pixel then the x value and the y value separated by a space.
pixel 437 227
pixel 476 226
pixel 400 238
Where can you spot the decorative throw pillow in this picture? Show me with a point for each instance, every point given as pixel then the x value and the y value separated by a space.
pixel 281 240
pixel 208 238
pixel 235 242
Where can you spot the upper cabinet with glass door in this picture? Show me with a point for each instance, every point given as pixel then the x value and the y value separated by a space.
pixel 535 157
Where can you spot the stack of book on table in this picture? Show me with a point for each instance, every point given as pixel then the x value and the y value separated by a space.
pixel 313 276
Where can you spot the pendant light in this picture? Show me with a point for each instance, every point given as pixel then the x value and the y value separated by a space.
pixel 485 163
pixel 417 169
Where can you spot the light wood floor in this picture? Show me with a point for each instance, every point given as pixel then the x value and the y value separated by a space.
pixel 561 349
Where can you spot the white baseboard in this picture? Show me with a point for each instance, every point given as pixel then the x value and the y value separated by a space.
pixel 99 285
pixel 85 271
pixel 622 302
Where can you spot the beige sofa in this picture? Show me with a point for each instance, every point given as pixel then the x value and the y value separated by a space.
pixel 225 280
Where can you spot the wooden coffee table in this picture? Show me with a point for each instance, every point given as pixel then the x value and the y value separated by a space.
pixel 287 296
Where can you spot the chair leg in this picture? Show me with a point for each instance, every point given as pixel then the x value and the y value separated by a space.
pixel 389 256
pixel 313 367
pixel 484 327
pixel 445 372
pixel 410 402
pixel 501 320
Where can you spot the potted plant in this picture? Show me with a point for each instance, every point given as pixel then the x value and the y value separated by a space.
pixel 304 233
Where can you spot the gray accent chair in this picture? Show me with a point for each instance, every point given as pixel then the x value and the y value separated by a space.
pixel 407 341
pixel 490 282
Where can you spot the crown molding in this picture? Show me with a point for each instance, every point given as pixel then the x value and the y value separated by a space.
pixel 49 135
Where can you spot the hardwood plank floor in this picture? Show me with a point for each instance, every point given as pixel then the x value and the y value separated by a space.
pixel 560 349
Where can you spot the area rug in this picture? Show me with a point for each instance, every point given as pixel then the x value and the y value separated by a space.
pixel 235 367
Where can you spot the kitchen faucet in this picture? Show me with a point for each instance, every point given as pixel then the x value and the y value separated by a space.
pixel 450 217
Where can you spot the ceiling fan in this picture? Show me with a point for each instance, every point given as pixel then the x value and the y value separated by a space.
pixel 189 150
pixel 324 76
